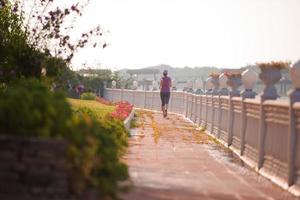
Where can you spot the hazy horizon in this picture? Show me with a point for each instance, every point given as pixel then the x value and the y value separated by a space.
pixel 231 33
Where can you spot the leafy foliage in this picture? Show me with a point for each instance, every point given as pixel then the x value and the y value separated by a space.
pixel 96 143
pixel 95 154
pixel 28 108
pixel 37 38
pixel 93 80
pixel 17 57
pixel 47 26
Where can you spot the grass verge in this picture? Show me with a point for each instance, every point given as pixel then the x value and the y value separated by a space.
pixel 100 109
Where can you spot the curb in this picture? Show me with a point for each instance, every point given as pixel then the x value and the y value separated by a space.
pixel 128 120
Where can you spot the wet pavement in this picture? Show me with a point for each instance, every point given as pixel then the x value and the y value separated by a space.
pixel 172 159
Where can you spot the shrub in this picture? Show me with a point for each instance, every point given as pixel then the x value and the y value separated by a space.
pixel 88 96
pixel 98 146
pixel 29 109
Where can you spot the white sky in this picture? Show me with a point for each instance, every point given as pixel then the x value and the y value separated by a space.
pixel 222 33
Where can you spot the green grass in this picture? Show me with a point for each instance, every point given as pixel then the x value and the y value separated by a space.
pixel 101 110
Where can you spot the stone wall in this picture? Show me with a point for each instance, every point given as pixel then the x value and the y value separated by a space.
pixel 33 169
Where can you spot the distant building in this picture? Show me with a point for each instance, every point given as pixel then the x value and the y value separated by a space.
pixel 144 77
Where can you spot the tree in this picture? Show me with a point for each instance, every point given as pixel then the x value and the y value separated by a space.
pixel 17 57
pixel 32 36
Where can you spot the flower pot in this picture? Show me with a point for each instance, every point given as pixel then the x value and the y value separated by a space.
pixel 234 82
pixel 270 76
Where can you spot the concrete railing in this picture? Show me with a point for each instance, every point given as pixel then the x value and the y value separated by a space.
pixel 265 134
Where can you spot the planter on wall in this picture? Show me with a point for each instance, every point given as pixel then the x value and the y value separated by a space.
pixel 270 75
pixel 234 82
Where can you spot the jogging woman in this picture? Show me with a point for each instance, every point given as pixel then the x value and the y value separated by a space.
pixel 165 91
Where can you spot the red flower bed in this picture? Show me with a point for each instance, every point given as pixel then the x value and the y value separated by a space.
pixel 123 109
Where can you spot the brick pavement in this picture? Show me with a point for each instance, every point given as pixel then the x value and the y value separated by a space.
pixel 172 159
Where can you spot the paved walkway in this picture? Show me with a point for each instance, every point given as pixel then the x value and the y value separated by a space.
pixel 171 159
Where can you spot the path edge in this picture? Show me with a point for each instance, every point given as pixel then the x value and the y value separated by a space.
pixel 128 120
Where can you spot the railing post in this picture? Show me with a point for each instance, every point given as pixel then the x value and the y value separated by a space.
pixel 184 103
pixel 212 114
pixel 269 76
pixel 187 104
pixel 230 122
pixel 249 78
pixel 234 82
pixel 145 99
pixel 292 138
pixel 219 116
pixel 192 107
pixel 243 128
pixel 196 109
pixel 292 134
pixel 262 132
pixel 152 99
pixel 184 106
pixel 200 110
pixel 206 113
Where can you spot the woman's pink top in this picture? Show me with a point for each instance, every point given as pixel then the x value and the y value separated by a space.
pixel 165 84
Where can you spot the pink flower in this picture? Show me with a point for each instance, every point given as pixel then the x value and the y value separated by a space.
pixel 123 109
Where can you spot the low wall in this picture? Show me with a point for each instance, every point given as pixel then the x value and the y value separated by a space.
pixel 33 169
pixel 264 134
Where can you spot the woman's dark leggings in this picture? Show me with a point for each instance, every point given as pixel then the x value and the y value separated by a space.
pixel 165 97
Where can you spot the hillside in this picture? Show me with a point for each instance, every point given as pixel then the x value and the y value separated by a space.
pixel 180 74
